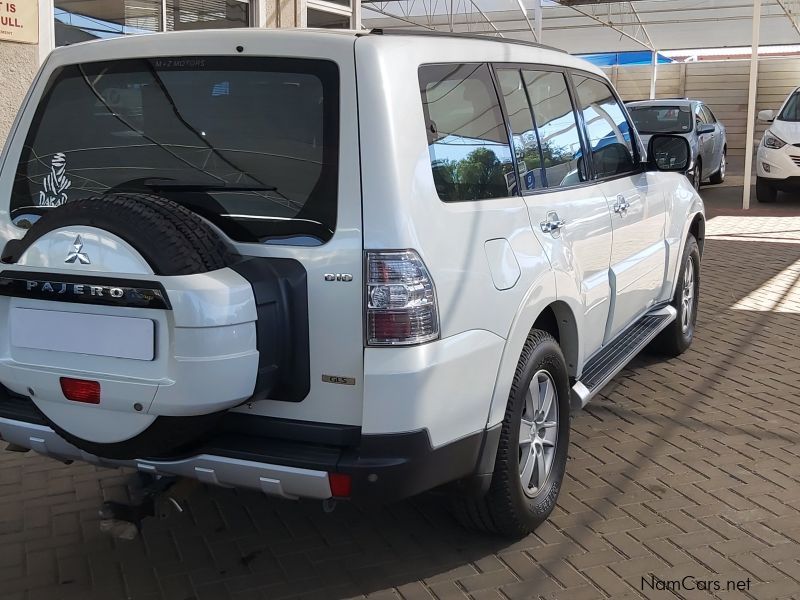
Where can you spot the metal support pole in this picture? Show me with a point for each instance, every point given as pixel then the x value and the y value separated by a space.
pixel 524 12
pixel 537 19
pixel 355 20
pixel 164 16
pixel 653 75
pixel 751 106
pixel 47 37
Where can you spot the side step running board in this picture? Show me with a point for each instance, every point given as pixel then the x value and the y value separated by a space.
pixel 611 359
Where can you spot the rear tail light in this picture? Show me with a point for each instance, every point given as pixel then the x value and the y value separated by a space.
pixel 81 390
pixel 401 301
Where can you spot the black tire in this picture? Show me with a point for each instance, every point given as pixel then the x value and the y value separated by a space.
pixel 171 238
pixel 506 508
pixel 174 241
pixel 719 176
pixel 765 191
pixel 697 175
pixel 676 338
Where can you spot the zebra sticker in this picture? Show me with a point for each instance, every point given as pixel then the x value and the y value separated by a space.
pixel 56 183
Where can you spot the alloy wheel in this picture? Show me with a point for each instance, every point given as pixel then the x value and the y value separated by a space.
pixel 538 433
pixel 687 296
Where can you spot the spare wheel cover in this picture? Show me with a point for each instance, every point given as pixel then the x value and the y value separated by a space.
pixel 154 236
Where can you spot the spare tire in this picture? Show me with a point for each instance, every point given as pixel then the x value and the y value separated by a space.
pixel 173 241
pixel 171 238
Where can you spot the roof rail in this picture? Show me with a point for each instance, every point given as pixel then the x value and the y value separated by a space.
pixel 462 35
pixel 659 99
pixel 664 98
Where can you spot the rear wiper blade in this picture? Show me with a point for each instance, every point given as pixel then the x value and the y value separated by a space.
pixel 192 186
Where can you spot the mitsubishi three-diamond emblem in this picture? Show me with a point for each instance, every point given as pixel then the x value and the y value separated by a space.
pixel 77 254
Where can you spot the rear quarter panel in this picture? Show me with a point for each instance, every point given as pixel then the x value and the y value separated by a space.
pixel 401 209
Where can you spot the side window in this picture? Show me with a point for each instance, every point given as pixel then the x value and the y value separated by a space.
pixel 607 128
pixel 699 116
pixel 467 137
pixel 708 114
pixel 559 137
pixel 526 142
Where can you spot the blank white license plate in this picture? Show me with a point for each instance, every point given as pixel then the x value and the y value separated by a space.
pixel 98 335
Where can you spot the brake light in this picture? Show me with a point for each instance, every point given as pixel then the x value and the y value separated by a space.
pixel 401 301
pixel 80 390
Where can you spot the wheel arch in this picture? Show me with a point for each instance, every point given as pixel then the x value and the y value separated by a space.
pixel 698 229
pixel 558 320
pixel 549 314
pixel 546 312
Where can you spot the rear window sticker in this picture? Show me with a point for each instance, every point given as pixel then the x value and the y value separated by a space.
pixel 56 183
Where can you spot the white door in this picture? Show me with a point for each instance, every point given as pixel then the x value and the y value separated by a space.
pixel 569 215
pixel 638 208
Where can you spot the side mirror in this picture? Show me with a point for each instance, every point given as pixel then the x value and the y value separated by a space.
pixel 668 153
pixel 705 128
pixel 766 116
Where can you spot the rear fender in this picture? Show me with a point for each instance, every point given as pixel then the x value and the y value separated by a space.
pixel 541 295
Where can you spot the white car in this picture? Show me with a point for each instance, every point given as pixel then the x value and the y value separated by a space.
pixel 333 265
pixel 778 157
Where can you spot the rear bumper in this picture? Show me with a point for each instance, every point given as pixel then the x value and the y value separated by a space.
pixel 288 482
pixel 383 468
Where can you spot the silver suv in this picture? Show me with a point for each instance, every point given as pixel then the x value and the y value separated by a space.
pixel 693 120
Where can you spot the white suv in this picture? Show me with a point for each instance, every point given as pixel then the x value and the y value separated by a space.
pixel 778 157
pixel 333 265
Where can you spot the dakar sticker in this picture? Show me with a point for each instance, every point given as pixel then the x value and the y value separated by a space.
pixel 56 183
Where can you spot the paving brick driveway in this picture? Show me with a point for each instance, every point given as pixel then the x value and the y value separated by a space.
pixel 689 467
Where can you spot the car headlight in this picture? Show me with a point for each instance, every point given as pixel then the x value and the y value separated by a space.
pixel 772 141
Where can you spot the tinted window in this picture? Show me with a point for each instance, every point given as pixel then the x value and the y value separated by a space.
pixel 607 128
pixel 187 128
pixel 708 115
pixel 791 112
pixel 526 142
pixel 661 119
pixel 700 117
pixel 562 154
pixel 467 138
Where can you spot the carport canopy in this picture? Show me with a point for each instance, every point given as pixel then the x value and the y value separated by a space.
pixel 598 26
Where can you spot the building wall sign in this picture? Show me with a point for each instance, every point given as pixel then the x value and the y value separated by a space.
pixel 19 21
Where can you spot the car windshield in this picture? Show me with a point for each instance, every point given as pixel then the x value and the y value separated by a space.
pixel 250 143
pixel 661 119
pixel 791 111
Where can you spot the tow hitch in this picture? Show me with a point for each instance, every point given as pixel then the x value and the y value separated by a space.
pixel 154 495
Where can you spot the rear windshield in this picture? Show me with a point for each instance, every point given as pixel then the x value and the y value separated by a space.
pixel 249 143
pixel 661 119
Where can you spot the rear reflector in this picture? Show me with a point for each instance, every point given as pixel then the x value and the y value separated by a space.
pixel 341 484
pixel 81 390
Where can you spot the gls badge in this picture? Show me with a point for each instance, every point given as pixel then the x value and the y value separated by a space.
pixel 338 277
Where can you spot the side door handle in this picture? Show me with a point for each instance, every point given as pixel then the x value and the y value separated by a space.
pixel 553 224
pixel 621 206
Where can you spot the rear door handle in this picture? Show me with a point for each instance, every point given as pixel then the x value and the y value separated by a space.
pixel 553 224
pixel 621 206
